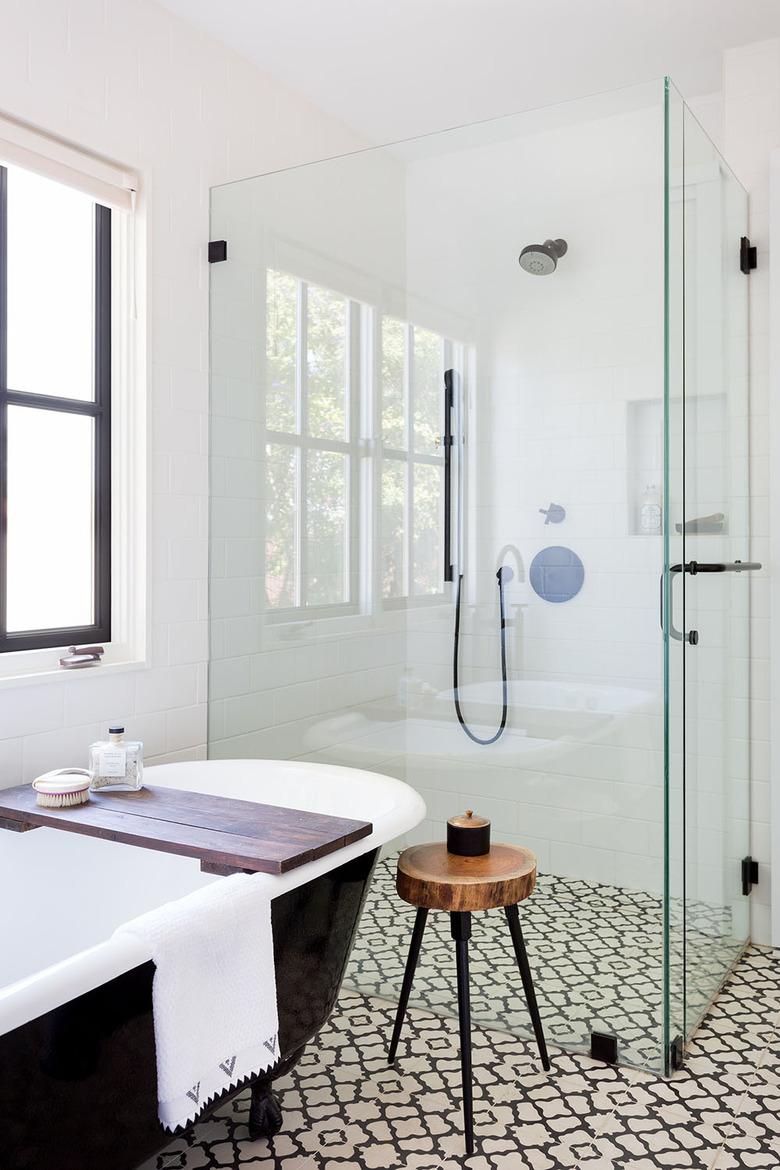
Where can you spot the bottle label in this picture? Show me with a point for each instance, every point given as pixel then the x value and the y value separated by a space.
pixel 113 762
pixel 650 519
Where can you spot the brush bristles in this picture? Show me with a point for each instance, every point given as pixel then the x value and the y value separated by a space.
pixel 61 799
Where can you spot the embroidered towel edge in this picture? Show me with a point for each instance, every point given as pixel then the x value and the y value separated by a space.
pixel 185 1109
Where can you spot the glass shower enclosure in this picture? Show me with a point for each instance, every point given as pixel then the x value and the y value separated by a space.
pixel 415 430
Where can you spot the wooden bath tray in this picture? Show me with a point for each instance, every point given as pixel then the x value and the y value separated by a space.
pixel 226 835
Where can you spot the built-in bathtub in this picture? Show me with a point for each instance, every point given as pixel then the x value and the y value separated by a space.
pixel 546 721
pixel 77 1062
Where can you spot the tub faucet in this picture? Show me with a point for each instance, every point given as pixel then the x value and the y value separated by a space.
pixel 515 552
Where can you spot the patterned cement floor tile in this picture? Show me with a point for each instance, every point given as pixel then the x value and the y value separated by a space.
pixel 749 1148
pixel 595 951
pixel 346 1109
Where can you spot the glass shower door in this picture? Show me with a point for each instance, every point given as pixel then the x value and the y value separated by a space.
pixel 708 570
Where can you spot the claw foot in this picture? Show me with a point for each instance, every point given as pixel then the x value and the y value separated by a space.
pixel 265 1113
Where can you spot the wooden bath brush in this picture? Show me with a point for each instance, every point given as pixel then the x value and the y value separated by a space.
pixel 62 788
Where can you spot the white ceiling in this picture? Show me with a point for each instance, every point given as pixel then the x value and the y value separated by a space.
pixel 394 68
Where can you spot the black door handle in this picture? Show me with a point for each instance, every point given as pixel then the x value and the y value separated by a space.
pixel 694 568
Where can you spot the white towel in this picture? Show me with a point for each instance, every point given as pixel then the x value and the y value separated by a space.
pixel 214 992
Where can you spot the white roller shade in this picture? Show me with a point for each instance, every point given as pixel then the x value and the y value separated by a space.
pixel 103 181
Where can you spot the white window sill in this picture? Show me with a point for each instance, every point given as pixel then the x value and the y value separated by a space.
pixel 37 671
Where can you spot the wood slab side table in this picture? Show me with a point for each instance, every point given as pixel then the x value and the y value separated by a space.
pixel 430 878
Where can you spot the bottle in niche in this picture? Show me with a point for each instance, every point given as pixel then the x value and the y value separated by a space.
pixel 650 511
pixel 116 762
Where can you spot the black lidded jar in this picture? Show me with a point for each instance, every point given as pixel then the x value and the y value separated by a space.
pixel 469 835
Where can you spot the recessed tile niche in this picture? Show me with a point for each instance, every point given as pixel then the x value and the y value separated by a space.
pixel 706 453
pixel 644 462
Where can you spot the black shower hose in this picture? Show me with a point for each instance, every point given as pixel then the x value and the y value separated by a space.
pixel 502 635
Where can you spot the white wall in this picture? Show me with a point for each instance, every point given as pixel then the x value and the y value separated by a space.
pixel 751 103
pixel 125 79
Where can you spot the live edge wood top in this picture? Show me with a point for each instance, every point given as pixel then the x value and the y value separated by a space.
pixel 226 835
pixel 430 877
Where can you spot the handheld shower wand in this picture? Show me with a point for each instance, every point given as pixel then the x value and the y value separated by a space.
pixel 503 577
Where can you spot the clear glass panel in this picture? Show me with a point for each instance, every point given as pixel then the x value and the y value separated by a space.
pixel 326 345
pixel 717 604
pixel 392 556
pixel 51 245
pixel 282 525
pixel 427 381
pixel 281 348
pixel 326 528
pixel 565 421
pixel 393 342
pixel 708 611
pixel 674 581
pixel 558 440
pixel 427 528
pixel 50 519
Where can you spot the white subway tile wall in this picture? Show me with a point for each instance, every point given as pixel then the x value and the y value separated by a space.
pixel 751 105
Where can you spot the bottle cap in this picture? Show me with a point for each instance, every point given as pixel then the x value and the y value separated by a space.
pixel 116 730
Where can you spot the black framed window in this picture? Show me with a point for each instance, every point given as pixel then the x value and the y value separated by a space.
pixel 411 495
pixel 55 414
pixel 312 448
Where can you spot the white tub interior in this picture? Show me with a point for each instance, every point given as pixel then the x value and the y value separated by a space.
pixel 68 893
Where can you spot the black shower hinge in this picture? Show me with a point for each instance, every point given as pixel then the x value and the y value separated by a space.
pixel 676 1054
pixel 749 874
pixel 748 256
pixel 603 1046
pixel 217 251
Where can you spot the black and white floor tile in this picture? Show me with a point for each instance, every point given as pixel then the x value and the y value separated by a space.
pixel 595 951
pixel 345 1109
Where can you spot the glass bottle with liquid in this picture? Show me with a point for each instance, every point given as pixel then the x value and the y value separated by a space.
pixel 650 512
pixel 117 763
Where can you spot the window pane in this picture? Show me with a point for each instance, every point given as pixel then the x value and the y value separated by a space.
pixel 51 245
pixel 281 526
pixel 392 374
pixel 326 528
pixel 428 382
pixel 427 529
pixel 280 349
pixel 391 529
pixel 326 363
pixel 50 519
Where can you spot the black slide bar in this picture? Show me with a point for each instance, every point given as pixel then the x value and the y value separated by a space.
pixel 449 402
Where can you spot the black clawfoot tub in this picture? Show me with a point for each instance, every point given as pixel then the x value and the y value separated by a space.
pixel 78 1081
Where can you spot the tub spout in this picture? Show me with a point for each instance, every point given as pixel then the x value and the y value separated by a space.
pixel 513 551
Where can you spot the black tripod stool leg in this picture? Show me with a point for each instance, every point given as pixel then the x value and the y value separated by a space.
pixel 460 925
pixel 411 964
pixel 513 918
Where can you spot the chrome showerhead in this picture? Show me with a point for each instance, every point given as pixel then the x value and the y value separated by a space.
pixel 542 259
